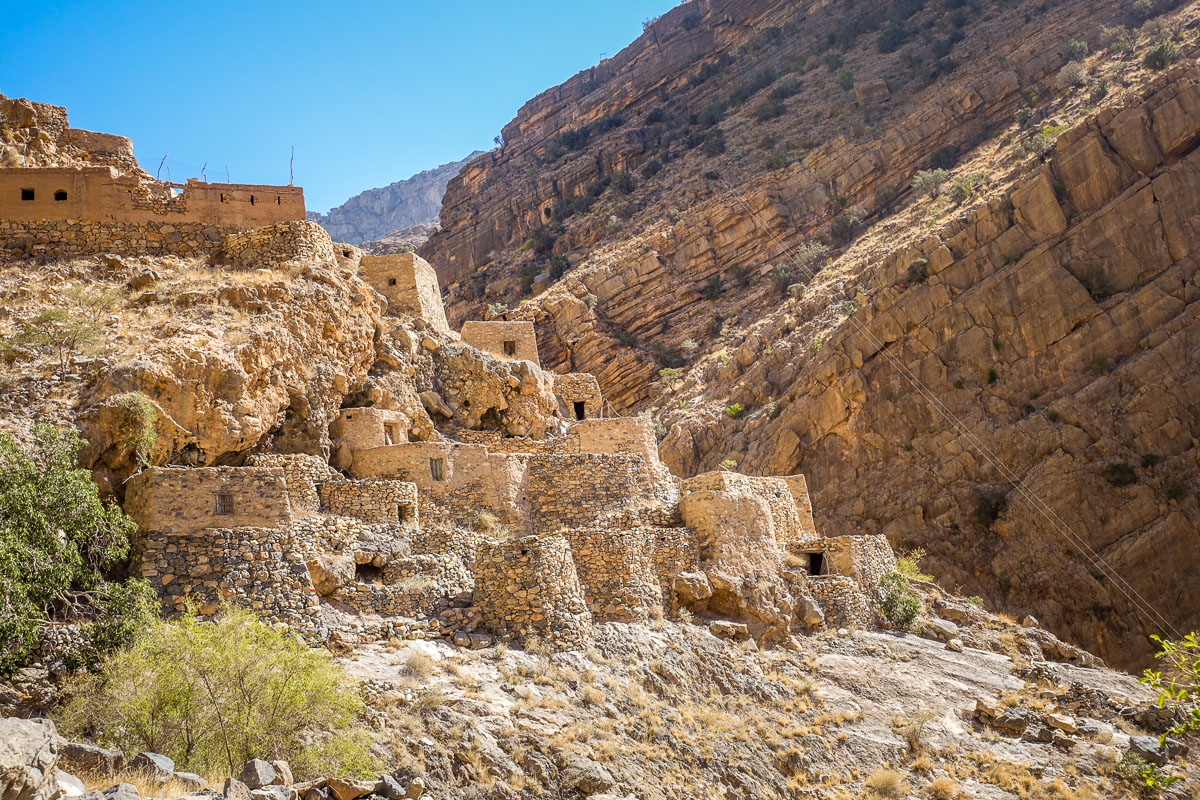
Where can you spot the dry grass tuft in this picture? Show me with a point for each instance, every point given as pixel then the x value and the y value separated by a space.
pixel 886 783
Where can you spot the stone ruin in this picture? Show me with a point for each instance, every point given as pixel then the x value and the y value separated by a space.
pixel 470 532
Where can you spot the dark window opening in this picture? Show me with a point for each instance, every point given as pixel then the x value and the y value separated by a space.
pixel 406 513
pixel 816 563
pixel 251 199
pixel 437 468
pixel 224 503
pixel 222 197
pixel 27 194
pixel 510 348
pixel 391 281
pixel 580 412
pixel 346 254
pixel 368 573
pixel 60 195
pixel 278 202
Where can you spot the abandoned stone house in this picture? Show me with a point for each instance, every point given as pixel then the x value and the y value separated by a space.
pixel 101 201
pixel 471 530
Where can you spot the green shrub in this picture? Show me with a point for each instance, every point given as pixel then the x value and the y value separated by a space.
pixel 1161 55
pixel 716 325
pixel 886 196
pixel 769 109
pixel 713 144
pixel 212 695
pixel 845 79
pixel 900 603
pixel 63 332
pixel 845 225
pixel 729 465
pixel 918 271
pixel 1146 778
pixel 783 276
pixel 651 169
pixel 1076 50
pixel 627 338
pixel 56 540
pixel 908 564
pixel 928 182
pixel 735 410
pixel 141 436
pixel 712 288
pixel 1120 474
pixel 964 188
pixel 558 266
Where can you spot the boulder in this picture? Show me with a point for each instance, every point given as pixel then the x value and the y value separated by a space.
pixel 350 789
pixel 585 775
pixel 86 758
pixel 955 645
pixel 28 757
pixel 390 788
pixel 283 773
pixel 692 588
pixel 330 573
pixel 942 630
pixel 416 788
pixel 257 773
pixel 122 791
pixel 191 781
pixel 69 784
pixel 235 790
pixel 153 765
pixel 1062 722
pixel 727 629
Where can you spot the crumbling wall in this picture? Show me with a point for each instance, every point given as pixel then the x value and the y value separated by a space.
pixel 410 285
pixel 740 520
pixel 497 442
pixel 579 387
pixel 302 473
pixel 570 491
pixel 863 558
pixel 279 245
pixel 373 500
pixel 258 568
pixel 798 486
pixel 842 602
pixel 187 500
pixel 511 341
pixel 529 587
pixel 627 573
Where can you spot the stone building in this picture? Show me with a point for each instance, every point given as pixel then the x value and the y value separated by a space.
pixel 461 530
pixel 513 341
pixel 410 286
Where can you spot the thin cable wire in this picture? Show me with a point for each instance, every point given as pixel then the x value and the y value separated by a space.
pixel 1045 510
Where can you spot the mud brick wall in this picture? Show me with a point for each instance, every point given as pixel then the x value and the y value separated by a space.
pixel 186 500
pixel 529 587
pixel 579 387
pixel 740 521
pixel 491 336
pixel 842 602
pixel 73 237
pixel 258 568
pixel 572 491
pixel 372 501
pixel 302 473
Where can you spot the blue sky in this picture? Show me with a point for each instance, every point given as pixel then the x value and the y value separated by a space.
pixel 368 92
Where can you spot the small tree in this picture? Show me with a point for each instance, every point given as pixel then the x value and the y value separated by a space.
pixel 212 695
pixel 1178 683
pixel 56 539
pixel 62 331
pixel 900 603
pixel 928 182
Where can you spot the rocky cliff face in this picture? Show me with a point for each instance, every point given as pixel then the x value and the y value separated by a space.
pixel 1000 374
pixel 376 213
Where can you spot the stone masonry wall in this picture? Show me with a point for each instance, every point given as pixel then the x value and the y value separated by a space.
pixel 258 568
pixel 579 387
pixel 302 473
pixel 284 243
pixel 529 586
pixel 627 573
pixel 741 521
pixel 841 600
pixel 491 337
pixel 618 435
pixel 864 558
pixel 409 284
pixel 571 491
pixel 69 237
pixel 187 500
pixel 364 428
pixel 372 501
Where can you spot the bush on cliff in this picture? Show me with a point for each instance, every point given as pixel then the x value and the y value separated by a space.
pixel 56 540
pixel 212 695
pixel 899 603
